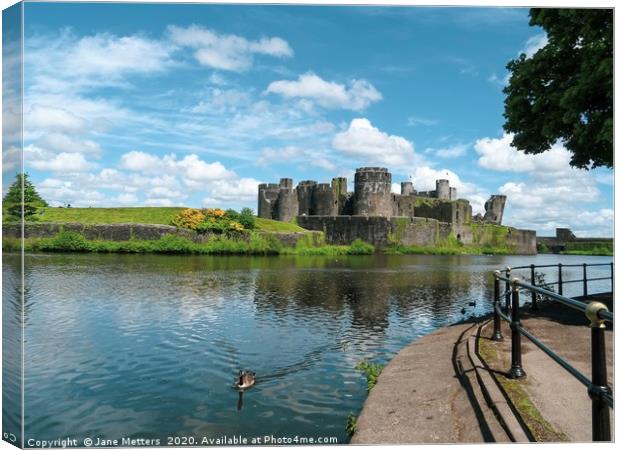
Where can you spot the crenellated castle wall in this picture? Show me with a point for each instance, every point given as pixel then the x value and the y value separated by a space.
pixel 371 197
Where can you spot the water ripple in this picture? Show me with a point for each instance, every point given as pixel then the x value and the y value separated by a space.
pixel 148 346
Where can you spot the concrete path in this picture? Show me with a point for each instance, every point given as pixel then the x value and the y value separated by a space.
pixel 437 390
pixel 559 397
pixel 420 399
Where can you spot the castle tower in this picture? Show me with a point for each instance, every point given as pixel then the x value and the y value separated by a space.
pixel 494 209
pixel 452 193
pixel 373 187
pixel 287 205
pixel 406 188
pixel 442 188
pixel 323 201
pixel 305 190
pixel 267 198
pixel 339 187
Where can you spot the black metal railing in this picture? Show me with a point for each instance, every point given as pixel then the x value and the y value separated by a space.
pixel 597 313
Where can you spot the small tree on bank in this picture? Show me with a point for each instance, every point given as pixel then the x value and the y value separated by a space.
pixel 564 91
pixel 12 201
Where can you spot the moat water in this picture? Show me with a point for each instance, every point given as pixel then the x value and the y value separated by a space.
pixel 148 346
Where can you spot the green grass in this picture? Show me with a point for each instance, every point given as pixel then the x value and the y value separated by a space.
pixel 152 215
pixel 275 225
pixel 254 244
pixel 596 248
pixel 156 215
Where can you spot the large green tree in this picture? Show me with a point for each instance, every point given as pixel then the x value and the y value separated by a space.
pixel 12 201
pixel 564 92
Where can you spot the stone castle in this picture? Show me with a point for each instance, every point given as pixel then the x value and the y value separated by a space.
pixel 375 215
pixel 372 197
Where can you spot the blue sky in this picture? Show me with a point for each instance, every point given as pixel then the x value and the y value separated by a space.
pixel 194 105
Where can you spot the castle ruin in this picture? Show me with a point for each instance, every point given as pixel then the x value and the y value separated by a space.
pixel 371 196
pixel 376 215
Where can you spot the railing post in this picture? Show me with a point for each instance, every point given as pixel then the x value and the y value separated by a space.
pixel 497 324
pixel 507 289
pixel 601 424
pixel 585 282
pixel 516 368
pixel 533 283
pixel 560 278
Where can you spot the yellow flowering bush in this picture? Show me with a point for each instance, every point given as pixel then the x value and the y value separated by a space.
pixel 212 220
pixel 189 218
pixel 235 226
pixel 215 212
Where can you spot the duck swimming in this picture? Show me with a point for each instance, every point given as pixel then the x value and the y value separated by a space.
pixel 245 379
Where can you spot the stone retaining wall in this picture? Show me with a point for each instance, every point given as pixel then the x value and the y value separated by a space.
pixel 139 231
pixel 376 230
pixel 415 231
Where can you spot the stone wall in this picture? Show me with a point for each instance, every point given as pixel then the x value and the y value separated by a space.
pixel 419 231
pixel 403 205
pixel 416 231
pixel 127 231
pixel 523 241
pixel 376 230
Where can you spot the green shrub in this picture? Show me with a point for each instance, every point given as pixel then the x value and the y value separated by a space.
pixel 247 219
pixel 171 243
pixel 66 241
pixel 359 247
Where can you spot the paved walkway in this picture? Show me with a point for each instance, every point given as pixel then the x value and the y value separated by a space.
pixel 419 398
pixel 561 399
pixel 437 391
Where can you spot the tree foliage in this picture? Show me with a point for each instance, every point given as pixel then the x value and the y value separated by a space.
pixel 564 92
pixel 12 201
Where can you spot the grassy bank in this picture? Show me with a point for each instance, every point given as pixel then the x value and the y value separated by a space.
pixel 593 248
pixel 596 248
pixel 253 244
pixel 150 215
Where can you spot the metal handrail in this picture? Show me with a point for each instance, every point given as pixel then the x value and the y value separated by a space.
pixel 561 282
pixel 597 313
pixel 542 266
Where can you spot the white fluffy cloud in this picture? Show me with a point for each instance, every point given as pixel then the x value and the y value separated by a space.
pixel 549 193
pixel 50 117
pixel 424 177
pixel 498 154
pixel 226 51
pixel 194 170
pixel 60 142
pixel 362 140
pixel 358 95
pixel 60 192
pixel 41 159
pixel 242 190
pixel 66 62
